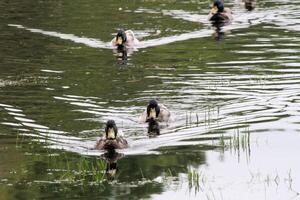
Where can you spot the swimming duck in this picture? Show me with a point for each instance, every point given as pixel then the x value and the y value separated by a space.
pixel 111 141
pixel 250 4
pixel 155 111
pixel 124 38
pixel 218 13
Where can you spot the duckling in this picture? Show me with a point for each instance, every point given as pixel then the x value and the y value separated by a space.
pixel 124 38
pixel 111 141
pixel 218 13
pixel 156 111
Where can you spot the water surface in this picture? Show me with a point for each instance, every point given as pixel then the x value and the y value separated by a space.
pixel 233 94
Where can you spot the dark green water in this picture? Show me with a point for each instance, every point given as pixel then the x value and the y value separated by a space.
pixel 234 98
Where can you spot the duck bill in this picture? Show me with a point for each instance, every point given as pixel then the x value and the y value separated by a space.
pixel 214 10
pixel 119 41
pixel 110 133
pixel 152 113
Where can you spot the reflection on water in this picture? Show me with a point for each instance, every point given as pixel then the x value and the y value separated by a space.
pixel 153 127
pixel 122 54
pixel 219 33
pixel 235 103
pixel 111 159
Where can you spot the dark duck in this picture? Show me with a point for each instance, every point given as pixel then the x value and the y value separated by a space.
pixel 158 112
pixel 124 39
pixel 218 13
pixel 250 4
pixel 111 140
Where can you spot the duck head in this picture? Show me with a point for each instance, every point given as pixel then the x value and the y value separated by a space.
pixel 218 7
pixel 121 38
pixel 153 109
pixel 111 130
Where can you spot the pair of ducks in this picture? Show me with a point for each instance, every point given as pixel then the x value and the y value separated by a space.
pixel 220 14
pixel 153 114
pixel 127 38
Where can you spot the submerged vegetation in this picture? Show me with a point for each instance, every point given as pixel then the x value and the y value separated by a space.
pixel 194 180
pixel 86 170
pixel 237 141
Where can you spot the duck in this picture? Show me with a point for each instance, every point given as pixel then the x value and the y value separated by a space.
pixel 155 111
pixel 124 38
pixel 218 13
pixel 111 140
pixel 250 4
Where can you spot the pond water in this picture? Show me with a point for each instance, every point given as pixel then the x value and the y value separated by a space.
pixel 234 95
